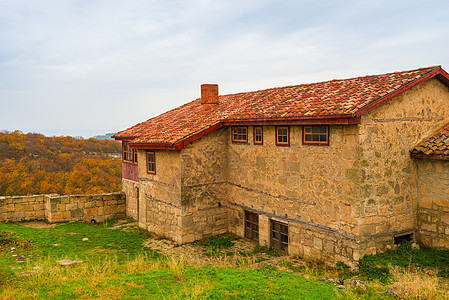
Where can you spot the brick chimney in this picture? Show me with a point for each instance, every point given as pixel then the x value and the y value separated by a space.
pixel 209 94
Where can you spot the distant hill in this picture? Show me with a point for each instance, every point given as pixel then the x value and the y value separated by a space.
pixel 33 164
pixel 106 136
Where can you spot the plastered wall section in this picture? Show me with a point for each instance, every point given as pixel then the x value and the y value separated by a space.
pixel 22 208
pixel 159 204
pixel 386 176
pixel 433 203
pixel 204 186
pixel 304 186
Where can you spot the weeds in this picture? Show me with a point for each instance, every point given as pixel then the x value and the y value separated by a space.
pixel 267 250
pixel 412 283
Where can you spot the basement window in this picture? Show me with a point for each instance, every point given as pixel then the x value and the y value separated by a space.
pixel 239 134
pixel 151 162
pixel 315 135
pixel 258 135
pixel 282 136
pixel 252 226
pixel 403 238
pixel 279 236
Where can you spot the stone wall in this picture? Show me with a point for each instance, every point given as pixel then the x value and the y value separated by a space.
pixel 57 208
pixel 160 195
pixel 131 189
pixel 204 169
pixel 87 208
pixel 387 176
pixel 22 208
pixel 302 186
pixel 433 203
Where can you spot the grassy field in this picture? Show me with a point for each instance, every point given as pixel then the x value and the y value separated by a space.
pixel 116 265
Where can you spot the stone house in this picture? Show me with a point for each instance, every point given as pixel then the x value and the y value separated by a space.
pixel 335 169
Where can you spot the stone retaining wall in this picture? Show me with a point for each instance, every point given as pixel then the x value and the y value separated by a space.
pixel 56 208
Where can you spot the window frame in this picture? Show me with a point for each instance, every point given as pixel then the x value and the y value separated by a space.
pixel 134 156
pixel 239 141
pixel 315 143
pixel 127 152
pixel 153 172
pixel 261 135
pixel 252 225
pixel 278 243
pixel 283 144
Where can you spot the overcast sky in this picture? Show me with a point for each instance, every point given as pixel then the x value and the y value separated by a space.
pixel 87 67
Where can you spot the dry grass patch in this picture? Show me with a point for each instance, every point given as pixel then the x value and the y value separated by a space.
pixel 412 283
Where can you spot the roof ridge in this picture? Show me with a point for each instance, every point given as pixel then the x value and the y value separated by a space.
pixel 431 68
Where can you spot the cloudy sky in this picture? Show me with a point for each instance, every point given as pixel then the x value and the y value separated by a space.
pixel 86 67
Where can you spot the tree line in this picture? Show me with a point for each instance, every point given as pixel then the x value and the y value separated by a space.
pixel 32 164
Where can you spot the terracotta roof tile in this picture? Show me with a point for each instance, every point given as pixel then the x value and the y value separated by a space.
pixel 437 145
pixel 317 100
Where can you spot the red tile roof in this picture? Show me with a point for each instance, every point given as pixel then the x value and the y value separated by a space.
pixel 340 101
pixel 436 146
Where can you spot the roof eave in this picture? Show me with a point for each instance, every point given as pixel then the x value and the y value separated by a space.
pixel 344 119
pixel 439 73
pixel 430 156
pixel 123 138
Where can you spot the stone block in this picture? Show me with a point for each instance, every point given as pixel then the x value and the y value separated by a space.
pixel 57 216
pixel 89 204
pixel 30 215
pixel 10 207
pixel 445 218
pixel 71 206
pixel 429 227
pixel 441 202
pixel 67 215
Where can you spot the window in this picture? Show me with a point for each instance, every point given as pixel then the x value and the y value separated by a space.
pixel 251 226
pixel 151 162
pixel 282 136
pixel 129 155
pixel 258 135
pixel 239 134
pixel 315 135
pixel 127 152
pixel 279 236
pixel 400 239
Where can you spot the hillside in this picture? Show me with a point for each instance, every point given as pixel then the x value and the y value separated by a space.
pixel 33 164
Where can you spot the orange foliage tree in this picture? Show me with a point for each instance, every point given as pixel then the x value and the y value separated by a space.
pixel 32 164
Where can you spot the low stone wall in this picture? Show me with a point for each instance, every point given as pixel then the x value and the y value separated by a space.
pixel 57 208
pixel 22 208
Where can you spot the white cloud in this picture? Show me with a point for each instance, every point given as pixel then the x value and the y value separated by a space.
pixel 106 65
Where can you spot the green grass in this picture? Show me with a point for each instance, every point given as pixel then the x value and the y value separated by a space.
pixel 376 266
pixel 117 265
pixel 66 241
